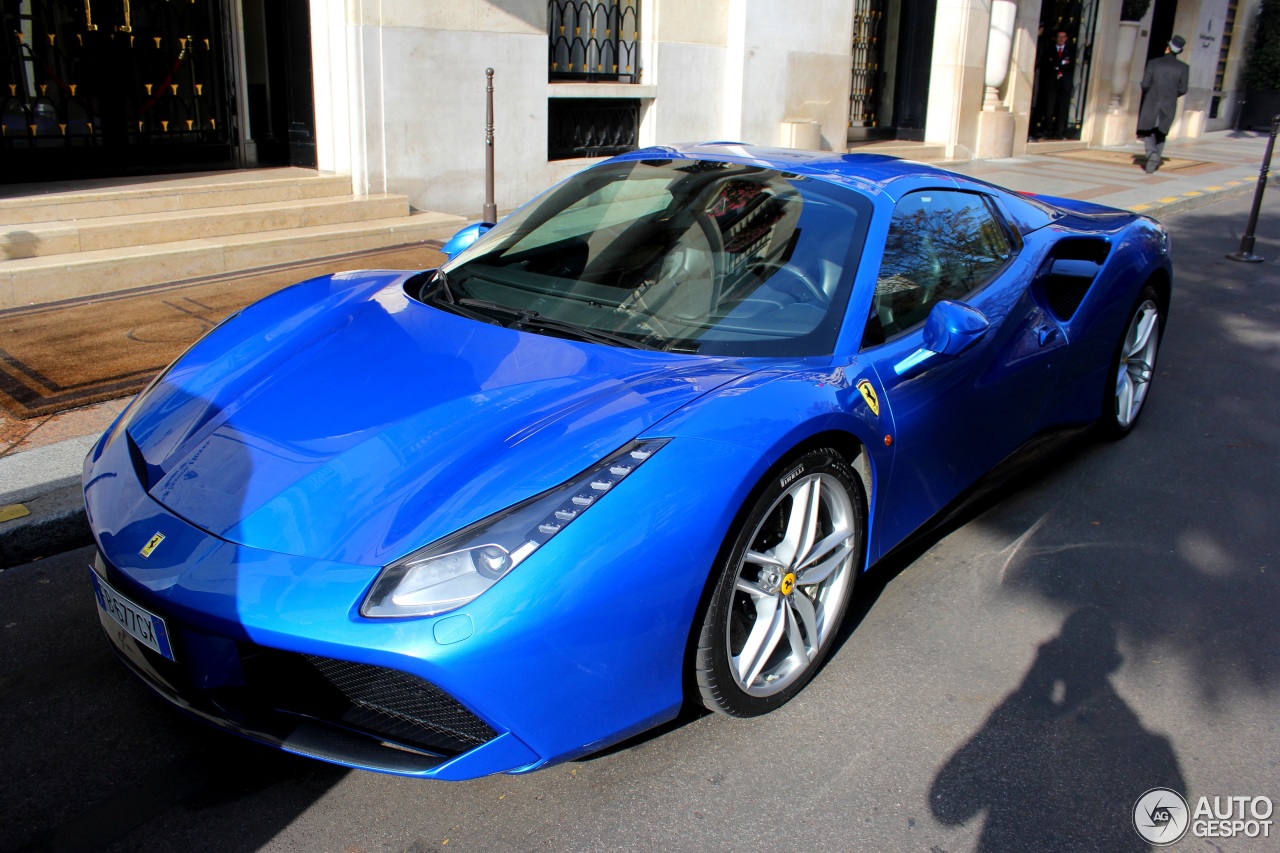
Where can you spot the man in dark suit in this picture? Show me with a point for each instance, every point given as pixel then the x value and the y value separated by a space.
pixel 1057 76
pixel 1164 81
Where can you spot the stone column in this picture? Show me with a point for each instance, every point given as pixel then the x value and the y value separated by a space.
pixel 995 122
pixel 999 46
pixel 1118 126
pixel 1126 38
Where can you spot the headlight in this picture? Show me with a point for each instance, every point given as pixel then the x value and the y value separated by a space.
pixel 456 569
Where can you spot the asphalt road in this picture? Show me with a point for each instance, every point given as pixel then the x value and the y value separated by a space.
pixel 1106 626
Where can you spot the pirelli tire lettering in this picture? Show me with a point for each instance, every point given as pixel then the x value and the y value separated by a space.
pixel 790 477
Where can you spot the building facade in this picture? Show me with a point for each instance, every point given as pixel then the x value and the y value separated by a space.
pixel 392 92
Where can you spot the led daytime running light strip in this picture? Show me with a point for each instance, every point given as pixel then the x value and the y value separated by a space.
pixel 590 487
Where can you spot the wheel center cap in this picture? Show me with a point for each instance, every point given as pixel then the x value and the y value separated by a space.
pixel 788 583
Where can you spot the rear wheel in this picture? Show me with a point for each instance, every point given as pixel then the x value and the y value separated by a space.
pixel 1133 367
pixel 783 588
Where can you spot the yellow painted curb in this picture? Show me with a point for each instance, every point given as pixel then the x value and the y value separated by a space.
pixel 12 511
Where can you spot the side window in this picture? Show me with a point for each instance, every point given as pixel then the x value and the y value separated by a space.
pixel 942 244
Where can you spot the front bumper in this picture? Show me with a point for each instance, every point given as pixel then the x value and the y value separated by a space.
pixel 347 713
pixel 582 646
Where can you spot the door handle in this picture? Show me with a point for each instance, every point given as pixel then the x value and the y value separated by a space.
pixel 89 25
pixel 128 23
pixel 1046 333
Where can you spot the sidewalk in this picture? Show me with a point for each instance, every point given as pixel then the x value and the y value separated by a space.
pixel 1196 172
pixel 41 512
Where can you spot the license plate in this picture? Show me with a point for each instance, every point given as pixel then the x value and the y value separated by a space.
pixel 138 622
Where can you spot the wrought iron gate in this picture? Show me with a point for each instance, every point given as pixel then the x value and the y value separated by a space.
pixel 1085 23
pixel 892 62
pixel 868 54
pixel 112 87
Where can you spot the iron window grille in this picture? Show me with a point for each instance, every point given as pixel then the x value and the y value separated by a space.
pixel 594 41
pixel 591 127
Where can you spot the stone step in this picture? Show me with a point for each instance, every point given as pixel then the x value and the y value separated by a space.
pixel 38 280
pixel 32 203
pixel 1050 146
pixel 921 152
pixel 44 239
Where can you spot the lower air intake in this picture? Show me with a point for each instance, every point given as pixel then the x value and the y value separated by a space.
pixel 402 707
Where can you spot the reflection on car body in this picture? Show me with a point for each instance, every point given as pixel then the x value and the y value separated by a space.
pixel 630 448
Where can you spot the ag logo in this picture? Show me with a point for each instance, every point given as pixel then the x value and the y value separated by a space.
pixel 152 544
pixel 1160 816
pixel 869 394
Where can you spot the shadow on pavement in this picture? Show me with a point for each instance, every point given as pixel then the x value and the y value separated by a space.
pixel 1162 545
pixel 1170 532
pixel 92 759
pixel 1059 763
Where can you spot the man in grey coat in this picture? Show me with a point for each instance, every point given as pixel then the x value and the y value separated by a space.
pixel 1163 83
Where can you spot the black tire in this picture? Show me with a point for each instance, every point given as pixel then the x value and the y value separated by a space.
pixel 1137 360
pixel 734 616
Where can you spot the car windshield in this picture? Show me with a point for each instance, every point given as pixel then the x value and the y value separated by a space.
pixel 691 256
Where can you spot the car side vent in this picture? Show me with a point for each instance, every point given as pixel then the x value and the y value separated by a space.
pixel 1069 272
pixel 1065 293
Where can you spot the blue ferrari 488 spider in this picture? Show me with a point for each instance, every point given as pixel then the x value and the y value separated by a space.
pixel 630 447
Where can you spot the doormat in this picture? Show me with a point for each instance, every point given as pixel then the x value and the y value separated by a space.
pixel 1125 158
pixel 71 354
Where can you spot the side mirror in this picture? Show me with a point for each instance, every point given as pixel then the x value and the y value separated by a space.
pixel 953 327
pixel 950 329
pixel 464 238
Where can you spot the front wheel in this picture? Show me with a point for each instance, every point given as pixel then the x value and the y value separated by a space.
pixel 783 588
pixel 1133 367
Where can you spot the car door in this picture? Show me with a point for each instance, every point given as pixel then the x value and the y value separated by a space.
pixel 954 416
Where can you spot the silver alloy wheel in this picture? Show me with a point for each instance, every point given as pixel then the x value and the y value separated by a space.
pixel 1137 363
pixel 791 584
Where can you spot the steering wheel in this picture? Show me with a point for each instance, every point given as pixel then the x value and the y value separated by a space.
pixel 715 242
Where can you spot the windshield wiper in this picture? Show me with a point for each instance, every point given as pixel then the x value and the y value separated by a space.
pixel 449 302
pixel 592 335
pixel 524 318
pixel 443 281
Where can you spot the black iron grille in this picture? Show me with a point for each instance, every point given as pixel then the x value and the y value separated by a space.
pixel 591 127
pixel 402 707
pixel 594 40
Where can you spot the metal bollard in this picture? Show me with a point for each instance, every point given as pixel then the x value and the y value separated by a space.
pixel 490 208
pixel 1246 242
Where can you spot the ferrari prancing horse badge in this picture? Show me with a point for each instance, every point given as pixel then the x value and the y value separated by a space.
pixel 869 394
pixel 152 544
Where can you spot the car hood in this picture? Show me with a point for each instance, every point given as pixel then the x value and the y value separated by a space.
pixel 343 420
